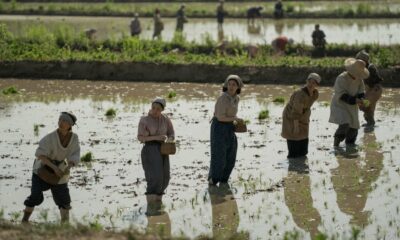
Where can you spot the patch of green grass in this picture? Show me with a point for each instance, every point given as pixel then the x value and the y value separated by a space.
pixel 171 94
pixel 111 112
pixel 10 90
pixel 41 45
pixel 264 114
pixel 279 100
pixel 88 157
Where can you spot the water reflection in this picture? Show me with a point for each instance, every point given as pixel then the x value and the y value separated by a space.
pixel 225 213
pixel 337 30
pixel 298 196
pixel 353 178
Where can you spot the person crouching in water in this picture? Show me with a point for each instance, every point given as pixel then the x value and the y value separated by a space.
pixel 154 129
pixel 296 117
pixel 223 137
pixel 57 152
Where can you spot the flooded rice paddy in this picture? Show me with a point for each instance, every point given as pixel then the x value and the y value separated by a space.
pixel 349 31
pixel 331 192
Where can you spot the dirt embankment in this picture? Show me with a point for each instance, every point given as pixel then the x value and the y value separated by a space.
pixel 152 72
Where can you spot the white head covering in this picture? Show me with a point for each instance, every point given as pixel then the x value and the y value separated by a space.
pixel 233 77
pixel 68 117
pixel 161 101
pixel 356 68
pixel 314 76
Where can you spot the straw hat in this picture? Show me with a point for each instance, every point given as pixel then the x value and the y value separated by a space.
pixel 314 76
pixel 160 101
pixel 233 77
pixel 363 55
pixel 356 68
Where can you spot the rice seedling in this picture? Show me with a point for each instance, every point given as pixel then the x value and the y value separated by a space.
pixel 88 157
pixel 111 112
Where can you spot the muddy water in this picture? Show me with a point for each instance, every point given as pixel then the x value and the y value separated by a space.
pixel 349 31
pixel 268 195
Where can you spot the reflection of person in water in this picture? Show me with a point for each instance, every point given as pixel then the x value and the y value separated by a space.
pixel 225 213
pixel 158 222
pixel 352 181
pixel 298 196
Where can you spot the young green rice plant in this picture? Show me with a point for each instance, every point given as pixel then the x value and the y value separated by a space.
pixel 171 94
pixel 264 114
pixel 10 90
pixel 279 100
pixel 88 157
pixel 111 112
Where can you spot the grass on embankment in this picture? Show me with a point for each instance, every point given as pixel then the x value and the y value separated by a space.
pixel 40 45
pixel 204 10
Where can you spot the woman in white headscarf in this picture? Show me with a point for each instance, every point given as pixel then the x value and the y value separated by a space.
pixel 154 129
pixel 223 137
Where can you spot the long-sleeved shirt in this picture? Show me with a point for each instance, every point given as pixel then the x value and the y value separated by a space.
pixel 151 126
pixel 226 106
pixel 374 76
pixel 51 147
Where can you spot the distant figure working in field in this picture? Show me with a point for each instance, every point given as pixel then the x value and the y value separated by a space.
pixel 278 11
pixel 158 24
pixel 180 18
pixel 279 44
pixel 90 33
pixel 136 29
pixel 252 13
pixel 319 42
pixel 220 14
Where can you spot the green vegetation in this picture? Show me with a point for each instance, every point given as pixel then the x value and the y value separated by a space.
pixel 39 44
pixel 203 9
pixel 111 112
pixel 10 90
pixel 279 100
pixel 88 157
pixel 171 94
pixel 264 114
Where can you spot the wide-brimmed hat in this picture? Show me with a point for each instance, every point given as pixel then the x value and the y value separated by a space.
pixel 234 77
pixel 363 55
pixel 356 68
pixel 160 101
pixel 314 76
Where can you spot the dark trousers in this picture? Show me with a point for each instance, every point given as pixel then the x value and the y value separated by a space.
pixel 60 193
pixel 223 151
pixel 345 132
pixel 156 168
pixel 297 148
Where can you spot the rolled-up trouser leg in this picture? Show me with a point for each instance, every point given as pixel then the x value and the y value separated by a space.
pixel 218 151
pixel 291 148
pixel 230 156
pixel 37 188
pixel 351 135
pixel 61 196
pixel 303 147
pixel 341 132
pixel 153 166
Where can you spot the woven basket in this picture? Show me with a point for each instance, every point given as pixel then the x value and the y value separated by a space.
pixel 168 148
pixel 240 127
pixel 47 174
